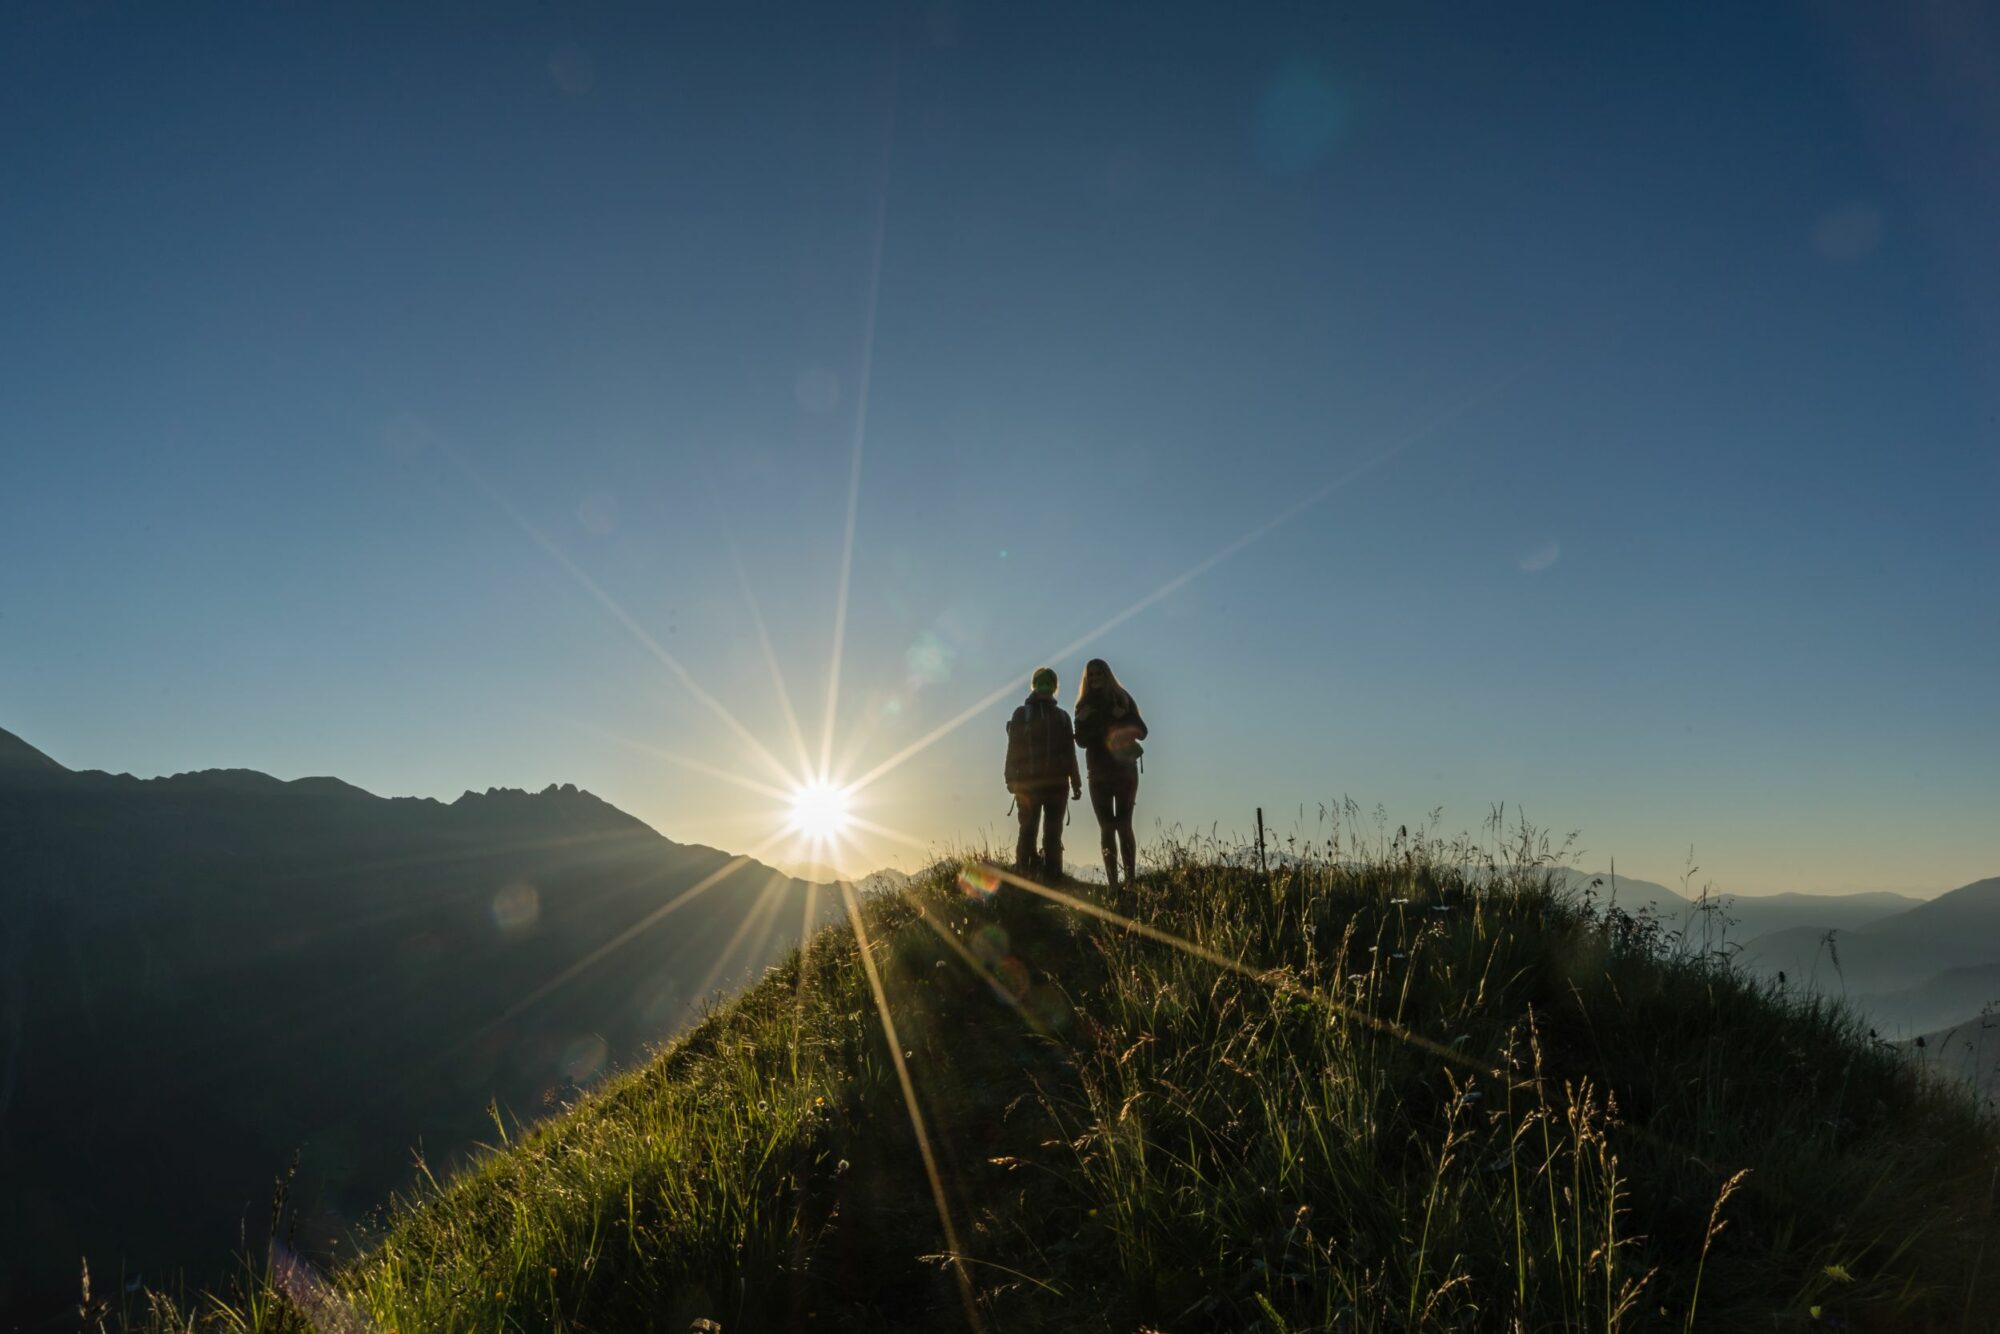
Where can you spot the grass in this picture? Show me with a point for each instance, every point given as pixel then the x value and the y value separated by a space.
pixel 1399 1086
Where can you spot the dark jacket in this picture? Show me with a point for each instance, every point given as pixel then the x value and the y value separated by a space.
pixel 1109 729
pixel 1041 748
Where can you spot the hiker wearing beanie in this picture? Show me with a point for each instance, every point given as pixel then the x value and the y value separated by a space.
pixel 1109 729
pixel 1042 775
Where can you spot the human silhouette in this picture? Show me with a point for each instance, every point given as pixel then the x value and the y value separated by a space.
pixel 1109 729
pixel 1042 775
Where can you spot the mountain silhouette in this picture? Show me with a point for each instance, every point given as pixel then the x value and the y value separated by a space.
pixel 1959 929
pixel 1738 918
pixel 202 974
pixel 1908 970
pixel 21 762
pixel 1971 910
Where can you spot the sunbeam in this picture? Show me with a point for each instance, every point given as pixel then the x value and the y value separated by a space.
pixel 618 612
pixel 854 480
pixel 884 831
pixel 684 761
pixel 626 936
pixel 1277 981
pixel 764 910
pixel 771 660
pixel 805 963
pixel 910 1105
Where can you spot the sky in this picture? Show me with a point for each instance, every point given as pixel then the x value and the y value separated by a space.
pixel 1590 409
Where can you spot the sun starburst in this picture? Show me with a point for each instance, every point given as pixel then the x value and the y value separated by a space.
pixel 821 812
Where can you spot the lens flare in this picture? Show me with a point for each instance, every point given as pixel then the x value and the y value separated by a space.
pixel 977 882
pixel 820 811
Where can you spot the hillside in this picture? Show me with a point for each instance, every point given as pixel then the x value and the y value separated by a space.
pixel 1351 1096
pixel 206 974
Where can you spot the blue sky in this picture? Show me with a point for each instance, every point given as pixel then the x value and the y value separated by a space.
pixel 1664 344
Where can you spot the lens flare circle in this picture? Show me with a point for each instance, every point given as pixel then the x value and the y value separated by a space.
pixel 821 811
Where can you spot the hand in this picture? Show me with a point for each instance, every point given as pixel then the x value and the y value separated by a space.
pixel 1076 789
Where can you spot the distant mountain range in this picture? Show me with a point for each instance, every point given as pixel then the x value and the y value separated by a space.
pixel 824 873
pixel 1931 966
pixel 1739 918
pixel 202 974
pixel 1957 930
pixel 1908 966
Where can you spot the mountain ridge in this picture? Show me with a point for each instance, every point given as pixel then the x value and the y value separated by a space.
pixel 209 970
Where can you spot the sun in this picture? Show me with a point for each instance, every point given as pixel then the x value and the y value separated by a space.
pixel 820 811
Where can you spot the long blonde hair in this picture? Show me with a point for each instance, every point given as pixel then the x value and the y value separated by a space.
pixel 1107 683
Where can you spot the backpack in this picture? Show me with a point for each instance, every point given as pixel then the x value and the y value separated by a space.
pixel 1038 745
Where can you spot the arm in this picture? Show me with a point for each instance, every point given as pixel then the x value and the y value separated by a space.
pixel 1075 779
pixel 1088 726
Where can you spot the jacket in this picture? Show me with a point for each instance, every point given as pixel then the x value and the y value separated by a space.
pixel 1109 731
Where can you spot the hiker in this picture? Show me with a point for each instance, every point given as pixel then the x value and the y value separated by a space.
pixel 1109 729
pixel 1042 775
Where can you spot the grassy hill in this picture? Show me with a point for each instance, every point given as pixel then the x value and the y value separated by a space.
pixel 1359 1096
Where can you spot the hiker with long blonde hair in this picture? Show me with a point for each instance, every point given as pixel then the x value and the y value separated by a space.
pixel 1109 729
